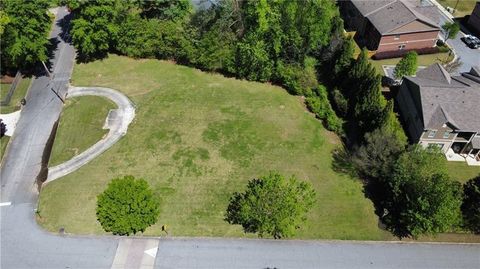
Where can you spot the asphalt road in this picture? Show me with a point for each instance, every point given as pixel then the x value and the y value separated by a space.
pixel 469 57
pixel 117 123
pixel 24 245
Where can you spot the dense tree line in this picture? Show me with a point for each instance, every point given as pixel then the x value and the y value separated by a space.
pixel 24 27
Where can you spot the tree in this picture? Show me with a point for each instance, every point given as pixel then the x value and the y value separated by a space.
pixel 127 206
pixel 96 26
pixel 165 9
pixel 376 157
pixel 271 205
pixel 407 66
pixel 3 128
pixel 451 30
pixel 471 204
pixel 420 198
pixel 25 33
pixel 252 59
pixel 345 58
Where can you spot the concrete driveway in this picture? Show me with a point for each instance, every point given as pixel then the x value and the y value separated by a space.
pixel 117 123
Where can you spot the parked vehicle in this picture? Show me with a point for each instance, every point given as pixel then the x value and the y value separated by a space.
pixel 471 41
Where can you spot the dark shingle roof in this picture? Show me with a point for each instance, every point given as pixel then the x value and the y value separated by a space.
pixel 449 99
pixel 388 15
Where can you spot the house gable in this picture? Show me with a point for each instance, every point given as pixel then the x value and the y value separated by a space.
pixel 413 27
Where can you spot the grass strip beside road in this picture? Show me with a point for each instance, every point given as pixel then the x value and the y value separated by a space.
pixel 17 96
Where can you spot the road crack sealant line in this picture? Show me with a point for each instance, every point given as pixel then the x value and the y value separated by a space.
pixel 117 129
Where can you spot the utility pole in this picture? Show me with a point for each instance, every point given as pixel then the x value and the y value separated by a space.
pixel 46 69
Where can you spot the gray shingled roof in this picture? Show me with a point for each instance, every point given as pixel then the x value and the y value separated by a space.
pixel 449 99
pixel 388 15
pixel 476 142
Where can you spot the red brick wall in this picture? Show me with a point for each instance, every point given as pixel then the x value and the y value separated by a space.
pixel 411 41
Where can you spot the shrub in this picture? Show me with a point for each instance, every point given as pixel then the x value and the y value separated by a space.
pixel 271 205
pixel 407 66
pixel 127 206
pixel 319 104
pixel 297 79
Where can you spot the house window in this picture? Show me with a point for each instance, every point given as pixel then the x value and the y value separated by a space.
pixel 401 47
pixel 446 134
pixel 432 133
pixel 396 37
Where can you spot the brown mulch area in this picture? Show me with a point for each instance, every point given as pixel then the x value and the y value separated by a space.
pixel 6 79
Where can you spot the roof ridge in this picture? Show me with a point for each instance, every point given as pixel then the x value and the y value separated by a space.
pixel 379 8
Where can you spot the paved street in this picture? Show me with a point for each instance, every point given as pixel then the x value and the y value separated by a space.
pixel 469 57
pixel 24 245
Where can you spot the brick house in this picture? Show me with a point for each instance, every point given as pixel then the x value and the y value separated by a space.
pixel 392 25
pixel 474 20
pixel 440 110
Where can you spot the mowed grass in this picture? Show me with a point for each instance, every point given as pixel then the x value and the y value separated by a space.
pixel 197 138
pixel 422 60
pixel 461 172
pixel 3 146
pixel 20 92
pixel 80 127
pixel 464 7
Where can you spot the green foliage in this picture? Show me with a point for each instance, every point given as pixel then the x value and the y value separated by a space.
pixel 298 79
pixel 25 26
pixel 392 124
pixel 340 102
pixel 344 59
pixel 407 66
pixel 96 26
pixel 319 104
pixel 127 206
pixel 165 9
pixel 451 30
pixel 271 205
pixel 141 38
pixel 375 158
pixel 368 100
pixel 471 205
pixel 420 198
pixel 252 59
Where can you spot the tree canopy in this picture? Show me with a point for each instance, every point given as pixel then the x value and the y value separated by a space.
pixel 471 204
pixel 407 66
pixel 25 26
pixel 127 206
pixel 271 205
pixel 451 30
pixel 420 198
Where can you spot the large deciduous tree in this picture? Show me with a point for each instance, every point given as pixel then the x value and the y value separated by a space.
pixel 25 26
pixel 127 206
pixel 471 205
pixel 407 66
pixel 271 205
pixel 420 198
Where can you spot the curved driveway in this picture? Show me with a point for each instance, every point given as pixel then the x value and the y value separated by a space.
pixel 117 121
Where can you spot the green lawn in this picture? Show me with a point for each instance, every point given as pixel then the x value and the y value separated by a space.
pixel 425 60
pixel 460 171
pixel 3 146
pixel 19 93
pixel 197 138
pixel 80 127
pixel 4 88
pixel 464 7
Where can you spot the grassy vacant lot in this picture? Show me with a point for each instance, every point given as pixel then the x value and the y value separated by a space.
pixel 19 93
pixel 460 171
pixel 80 127
pixel 464 7
pixel 197 138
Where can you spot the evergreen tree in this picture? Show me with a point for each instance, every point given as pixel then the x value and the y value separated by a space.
pixel 407 66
